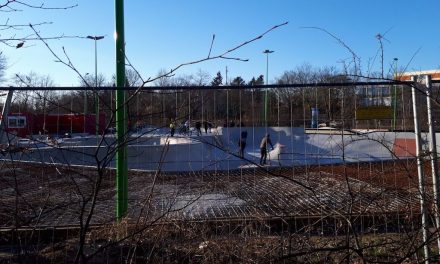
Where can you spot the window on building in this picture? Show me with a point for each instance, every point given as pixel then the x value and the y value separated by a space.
pixel 375 96
pixel 16 121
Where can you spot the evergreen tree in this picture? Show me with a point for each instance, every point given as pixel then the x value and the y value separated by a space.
pixel 260 80
pixel 252 82
pixel 218 80
pixel 238 81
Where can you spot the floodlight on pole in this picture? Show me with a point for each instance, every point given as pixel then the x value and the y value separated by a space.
pixel 85 105
pixel 96 38
pixel 267 52
pixel 395 95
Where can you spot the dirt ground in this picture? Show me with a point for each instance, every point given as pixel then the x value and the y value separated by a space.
pixel 311 214
pixel 56 196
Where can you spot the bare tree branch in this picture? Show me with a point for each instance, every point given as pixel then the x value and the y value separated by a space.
pixel 69 63
pixel 212 43
pixel 9 4
pixel 355 57
pixel 219 56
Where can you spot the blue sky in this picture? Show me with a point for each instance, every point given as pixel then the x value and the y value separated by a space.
pixel 163 34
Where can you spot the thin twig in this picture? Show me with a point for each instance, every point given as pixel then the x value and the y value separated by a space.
pixel 212 43
pixel 220 56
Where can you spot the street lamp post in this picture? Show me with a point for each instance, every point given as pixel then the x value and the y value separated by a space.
pixel 395 95
pixel 85 97
pixel 267 52
pixel 96 38
pixel 85 106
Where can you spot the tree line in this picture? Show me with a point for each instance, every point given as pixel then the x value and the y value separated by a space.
pixel 286 106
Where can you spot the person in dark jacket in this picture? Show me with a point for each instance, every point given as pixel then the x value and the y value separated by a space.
pixel 172 127
pixel 263 148
pixel 205 125
pixel 198 128
pixel 242 143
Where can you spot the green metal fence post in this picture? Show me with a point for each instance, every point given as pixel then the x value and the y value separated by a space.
pixel 121 116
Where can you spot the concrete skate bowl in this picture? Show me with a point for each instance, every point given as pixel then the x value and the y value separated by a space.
pixel 219 150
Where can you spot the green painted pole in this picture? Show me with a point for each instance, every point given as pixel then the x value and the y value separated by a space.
pixel 121 120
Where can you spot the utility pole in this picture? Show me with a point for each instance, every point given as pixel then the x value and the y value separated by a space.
pixel 226 76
